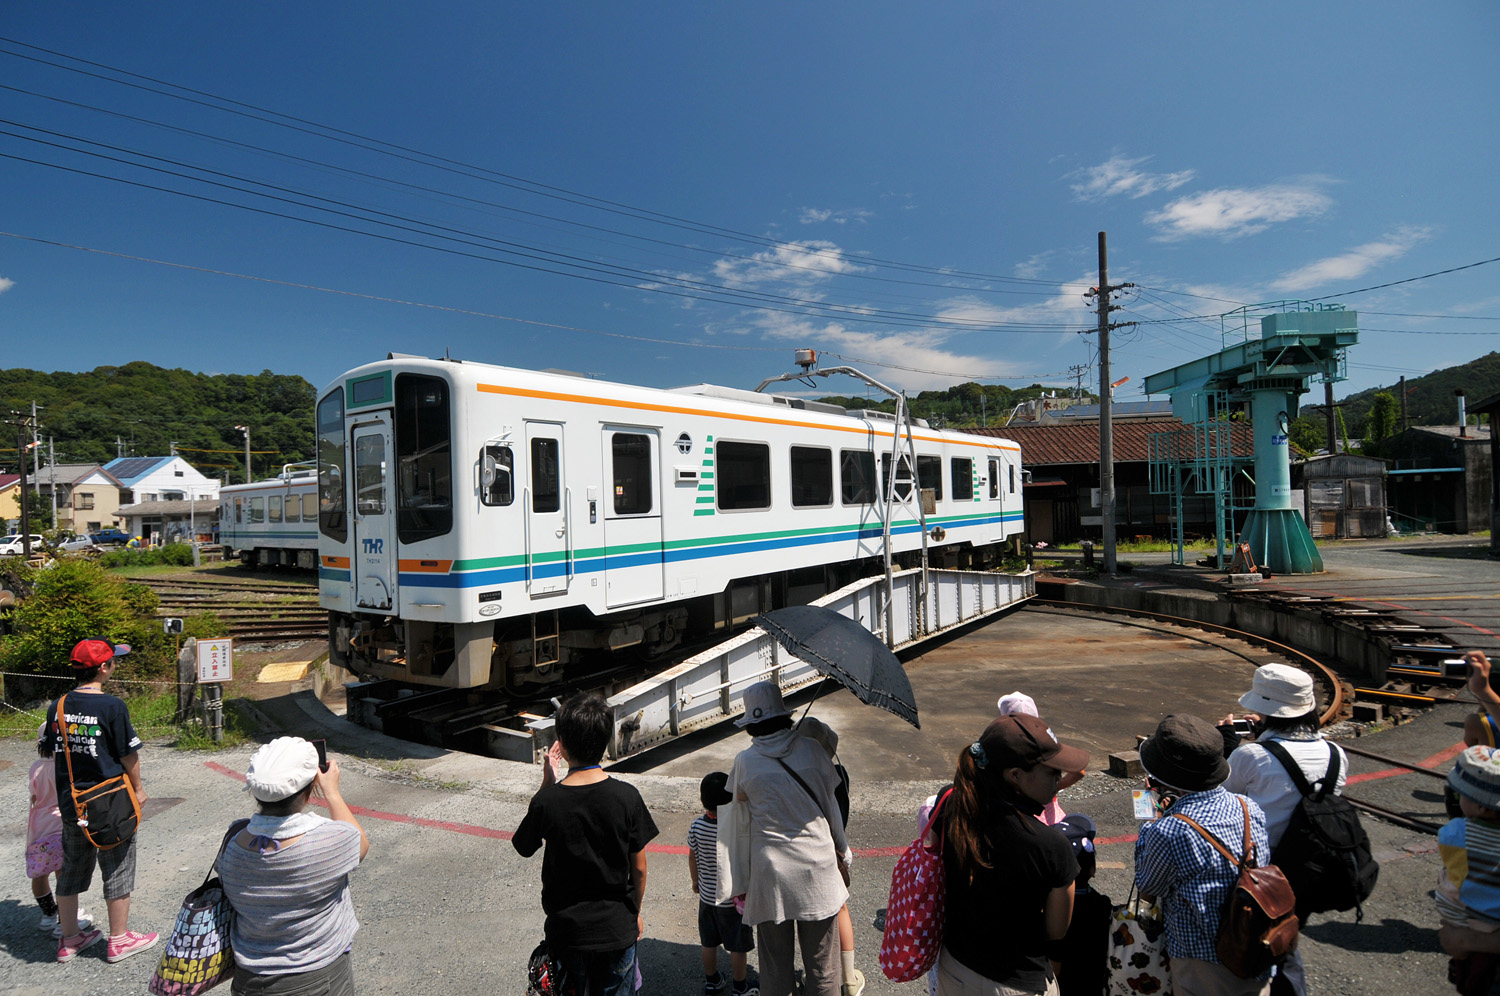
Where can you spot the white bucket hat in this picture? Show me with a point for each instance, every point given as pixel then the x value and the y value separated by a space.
pixel 1016 704
pixel 762 702
pixel 1280 691
pixel 281 769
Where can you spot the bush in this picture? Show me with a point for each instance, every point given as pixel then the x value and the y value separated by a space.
pixel 71 600
pixel 173 554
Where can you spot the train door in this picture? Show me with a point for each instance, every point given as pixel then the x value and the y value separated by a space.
pixel 549 564
pixel 633 568
pixel 374 537
pixel 996 517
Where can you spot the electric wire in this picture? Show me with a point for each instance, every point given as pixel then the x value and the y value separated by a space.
pixel 869 361
pixel 430 160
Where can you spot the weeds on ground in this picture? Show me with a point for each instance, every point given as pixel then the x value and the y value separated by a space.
pixel 151 713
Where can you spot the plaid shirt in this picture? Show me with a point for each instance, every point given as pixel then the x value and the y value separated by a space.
pixel 1173 861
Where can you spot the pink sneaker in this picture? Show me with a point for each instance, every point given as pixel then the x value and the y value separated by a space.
pixel 127 944
pixel 69 947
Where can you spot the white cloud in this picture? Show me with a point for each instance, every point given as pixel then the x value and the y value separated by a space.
pixel 1231 213
pixel 1119 175
pixel 1034 267
pixel 1356 262
pixel 814 216
pixel 801 264
pixel 6 284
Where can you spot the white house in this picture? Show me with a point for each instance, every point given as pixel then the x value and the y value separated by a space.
pixel 168 478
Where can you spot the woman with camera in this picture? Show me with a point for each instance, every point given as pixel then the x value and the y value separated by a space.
pixel 287 877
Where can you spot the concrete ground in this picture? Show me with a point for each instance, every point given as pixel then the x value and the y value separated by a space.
pixel 446 905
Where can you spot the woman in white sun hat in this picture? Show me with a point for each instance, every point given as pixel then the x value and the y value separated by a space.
pixel 1282 711
pixel 287 877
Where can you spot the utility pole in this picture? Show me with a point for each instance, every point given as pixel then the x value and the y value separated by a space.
pixel 1106 427
pixel 1333 437
pixel 246 430
pixel 52 469
pixel 1403 402
pixel 22 423
pixel 1078 371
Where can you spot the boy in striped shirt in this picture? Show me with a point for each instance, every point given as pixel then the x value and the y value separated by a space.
pixel 716 924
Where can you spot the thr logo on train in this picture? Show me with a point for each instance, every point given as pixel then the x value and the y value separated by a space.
pixel 374 545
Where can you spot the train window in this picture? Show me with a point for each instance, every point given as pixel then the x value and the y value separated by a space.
pixel 994 478
pixel 257 510
pixel 331 521
pixel 742 475
pixel 369 475
pixel 631 457
pixel 424 463
pixel 546 476
pixel 812 477
pixel 857 472
pixel 293 508
pixel 930 475
pixel 1012 469
pixel 239 510
pixel 496 483
pixel 273 508
pixel 963 479
pixel 903 479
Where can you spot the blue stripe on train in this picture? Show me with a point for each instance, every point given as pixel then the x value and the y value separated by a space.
pixel 476 579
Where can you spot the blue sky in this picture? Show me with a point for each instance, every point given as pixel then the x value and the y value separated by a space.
pixel 671 193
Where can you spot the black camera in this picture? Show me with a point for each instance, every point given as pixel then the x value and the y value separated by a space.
pixel 1455 667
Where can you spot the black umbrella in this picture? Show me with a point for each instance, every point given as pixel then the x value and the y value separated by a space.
pixel 845 651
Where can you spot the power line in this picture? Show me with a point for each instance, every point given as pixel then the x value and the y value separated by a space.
pixel 705 291
pixel 433 161
pixel 504 318
pixel 1408 280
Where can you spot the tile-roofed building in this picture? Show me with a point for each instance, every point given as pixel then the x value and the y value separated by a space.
pixel 157 522
pixel 87 495
pixel 1063 458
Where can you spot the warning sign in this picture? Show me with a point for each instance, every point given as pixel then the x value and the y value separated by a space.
pixel 215 661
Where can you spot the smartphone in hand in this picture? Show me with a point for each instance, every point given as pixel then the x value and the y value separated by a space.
pixel 321 746
pixel 1242 727
pixel 1144 803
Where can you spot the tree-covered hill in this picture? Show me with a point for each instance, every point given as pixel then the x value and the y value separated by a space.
pixel 149 408
pixel 964 406
pixel 1429 399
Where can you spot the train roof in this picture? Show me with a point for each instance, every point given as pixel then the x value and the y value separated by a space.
pixel 567 383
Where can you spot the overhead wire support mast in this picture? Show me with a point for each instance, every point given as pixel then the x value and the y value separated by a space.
pixel 1106 428
pixel 904 490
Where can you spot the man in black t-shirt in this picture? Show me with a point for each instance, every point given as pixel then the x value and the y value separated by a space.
pixel 97 744
pixel 594 869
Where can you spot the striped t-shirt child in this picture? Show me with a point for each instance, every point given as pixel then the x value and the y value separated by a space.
pixel 703 840
pixel 1468 894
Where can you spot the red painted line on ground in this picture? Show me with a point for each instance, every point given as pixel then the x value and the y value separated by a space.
pixel 1441 757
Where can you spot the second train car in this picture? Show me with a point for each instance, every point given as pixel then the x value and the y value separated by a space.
pixel 272 523
pixel 489 527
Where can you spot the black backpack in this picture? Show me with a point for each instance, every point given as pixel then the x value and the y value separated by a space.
pixel 1324 852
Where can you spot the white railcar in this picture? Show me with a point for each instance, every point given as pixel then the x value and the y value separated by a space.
pixel 488 527
pixel 272 523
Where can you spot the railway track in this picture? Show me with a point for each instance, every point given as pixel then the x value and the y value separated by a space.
pixel 252 611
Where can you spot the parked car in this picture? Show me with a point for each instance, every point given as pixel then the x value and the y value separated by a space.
pixel 106 536
pixel 11 545
pixel 76 544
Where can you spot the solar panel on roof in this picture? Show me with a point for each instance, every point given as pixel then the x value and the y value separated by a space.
pixel 127 469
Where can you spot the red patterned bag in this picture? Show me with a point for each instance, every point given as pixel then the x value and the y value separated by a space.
pixel 914 912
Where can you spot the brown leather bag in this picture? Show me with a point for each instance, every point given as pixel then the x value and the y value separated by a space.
pixel 1258 926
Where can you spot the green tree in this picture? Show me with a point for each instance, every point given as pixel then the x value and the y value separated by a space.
pixel 1308 434
pixel 1382 422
